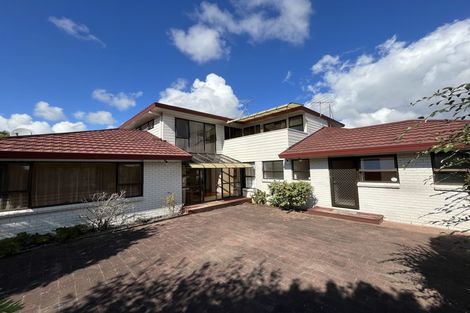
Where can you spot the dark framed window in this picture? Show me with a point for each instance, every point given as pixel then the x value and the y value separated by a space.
pixel 450 168
pixel 273 170
pixel 147 126
pixel 379 169
pixel 195 136
pixel 275 125
pixel 14 180
pixel 296 122
pixel 232 132
pixel 42 184
pixel 251 130
pixel 250 176
pixel 301 169
pixel 130 179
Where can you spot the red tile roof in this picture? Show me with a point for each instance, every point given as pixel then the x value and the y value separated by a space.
pixel 405 136
pixel 122 144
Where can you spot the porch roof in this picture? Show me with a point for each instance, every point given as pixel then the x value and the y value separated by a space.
pixel 206 160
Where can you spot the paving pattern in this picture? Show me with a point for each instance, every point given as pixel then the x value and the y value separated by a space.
pixel 246 258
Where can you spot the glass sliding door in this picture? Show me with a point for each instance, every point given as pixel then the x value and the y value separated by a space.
pixel 231 182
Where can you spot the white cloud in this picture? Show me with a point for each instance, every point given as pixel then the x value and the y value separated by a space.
pixel 65 127
pixel 200 43
pixel 212 96
pixel 379 88
pixel 260 20
pixel 47 112
pixel 73 29
pixel 25 121
pixel 97 118
pixel 287 77
pixel 121 100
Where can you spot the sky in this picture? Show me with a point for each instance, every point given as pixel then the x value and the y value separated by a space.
pixel 77 65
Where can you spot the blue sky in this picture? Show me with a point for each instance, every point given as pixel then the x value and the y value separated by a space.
pixel 93 64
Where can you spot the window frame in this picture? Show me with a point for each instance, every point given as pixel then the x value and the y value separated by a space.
pixel 256 130
pixel 360 171
pixel 438 170
pixel 273 171
pixel 32 172
pixel 251 177
pixel 147 125
pixel 301 122
pixel 274 123
pixel 205 138
pixel 29 180
pixel 228 132
pixel 300 171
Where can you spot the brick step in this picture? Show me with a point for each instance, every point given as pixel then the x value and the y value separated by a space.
pixel 212 205
pixel 347 215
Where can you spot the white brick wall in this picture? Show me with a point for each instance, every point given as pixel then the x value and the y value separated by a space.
pixel 159 179
pixel 414 200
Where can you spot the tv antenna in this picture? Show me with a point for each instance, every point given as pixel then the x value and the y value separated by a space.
pixel 21 132
pixel 324 102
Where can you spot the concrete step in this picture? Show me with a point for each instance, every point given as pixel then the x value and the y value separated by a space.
pixel 212 205
pixel 347 215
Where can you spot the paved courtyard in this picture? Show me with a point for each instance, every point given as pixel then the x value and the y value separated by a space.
pixel 246 258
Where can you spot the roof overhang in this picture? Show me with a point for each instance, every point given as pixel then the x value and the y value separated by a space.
pixel 204 160
pixel 88 156
pixel 358 151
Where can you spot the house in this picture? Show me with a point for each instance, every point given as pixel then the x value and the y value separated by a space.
pixel 202 157
pixel 376 169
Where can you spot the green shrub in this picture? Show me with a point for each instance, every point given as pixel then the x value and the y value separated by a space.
pixel 290 196
pixel 10 306
pixel 66 233
pixel 9 246
pixel 259 197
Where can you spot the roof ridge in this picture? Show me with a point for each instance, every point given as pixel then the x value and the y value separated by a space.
pixel 67 133
pixel 406 121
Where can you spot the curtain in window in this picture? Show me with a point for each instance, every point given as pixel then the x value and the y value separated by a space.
pixel 209 138
pixel 196 137
pixel 130 179
pixel 62 183
pixel 14 186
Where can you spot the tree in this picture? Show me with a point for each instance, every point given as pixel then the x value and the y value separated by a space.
pixel 453 103
pixel 4 133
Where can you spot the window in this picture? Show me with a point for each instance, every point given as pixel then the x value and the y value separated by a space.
pixel 378 169
pixel 147 126
pixel 250 176
pixel 251 130
pixel 296 122
pixel 194 136
pixel 130 179
pixel 275 126
pixel 273 170
pixel 301 169
pixel 450 168
pixel 232 132
pixel 14 178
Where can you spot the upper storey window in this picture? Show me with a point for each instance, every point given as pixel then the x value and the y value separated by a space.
pixel 194 136
pixel 296 122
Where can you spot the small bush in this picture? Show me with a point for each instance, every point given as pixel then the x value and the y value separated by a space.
pixel 259 197
pixel 107 210
pixel 290 196
pixel 63 234
pixel 9 246
pixel 170 202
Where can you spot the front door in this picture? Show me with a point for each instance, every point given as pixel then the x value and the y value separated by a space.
pixel 343 181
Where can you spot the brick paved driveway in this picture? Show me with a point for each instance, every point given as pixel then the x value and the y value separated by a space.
pixel 246 259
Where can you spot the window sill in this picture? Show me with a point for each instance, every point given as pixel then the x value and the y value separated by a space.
pixel 456 188
pixel 267 181
pixel 53 209
pixel 379 185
